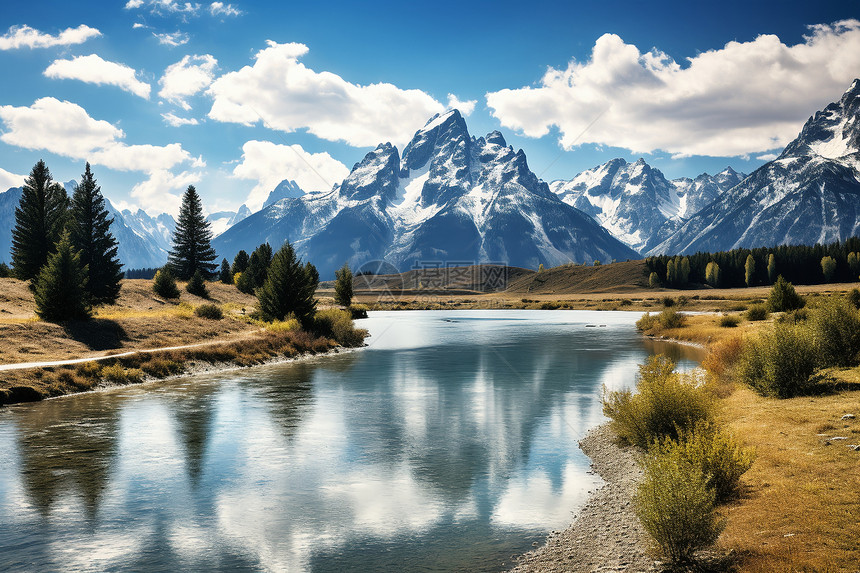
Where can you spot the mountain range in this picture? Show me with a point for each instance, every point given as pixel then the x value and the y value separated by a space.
pixel 454 199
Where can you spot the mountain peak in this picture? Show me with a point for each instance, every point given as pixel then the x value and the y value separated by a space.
pixel 286 188
pixel 496 138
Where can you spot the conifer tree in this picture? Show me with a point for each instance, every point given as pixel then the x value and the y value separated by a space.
pixel 164 284
pixel 197 286
pixel 240 262
pixel 89 231
pixel 61 285
pixel 191 249
pixel 343 286
pixel 289 288
pixel 254 275
pixel 39 221
pixel 226 275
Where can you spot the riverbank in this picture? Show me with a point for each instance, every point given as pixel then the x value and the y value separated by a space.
pixel 606 535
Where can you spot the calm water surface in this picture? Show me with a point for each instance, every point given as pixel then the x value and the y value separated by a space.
pixel 447 445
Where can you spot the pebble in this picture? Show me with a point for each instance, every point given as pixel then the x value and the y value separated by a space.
pixel 848 417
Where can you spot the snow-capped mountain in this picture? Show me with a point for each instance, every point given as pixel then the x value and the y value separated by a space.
pixel 450 199
pixel 809 194
pixel 285 189
pixel 223 220
pixel 636 203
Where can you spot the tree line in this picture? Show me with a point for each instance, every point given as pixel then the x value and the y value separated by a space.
pixel 799 264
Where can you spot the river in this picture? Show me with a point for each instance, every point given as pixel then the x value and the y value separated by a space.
pixel 448 444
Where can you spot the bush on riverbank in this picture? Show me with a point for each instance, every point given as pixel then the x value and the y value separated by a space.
pixel 665 404
pixel 337 324
pixel 655 323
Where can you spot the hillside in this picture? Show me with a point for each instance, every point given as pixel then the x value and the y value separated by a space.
pixel 629 276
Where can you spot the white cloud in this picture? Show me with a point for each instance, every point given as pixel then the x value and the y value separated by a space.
pixel 133 4
pixel 172 38
pixel 268 164
pixel 94 70
pixel 767 157
pixel 288 96
pixel 221 9
pixel 9 180
pixel 744 98
pixel 137 25
pixel 465 107
pixel 174 120
pixel 162 191
pixel 66 129
pixel 162 7
pixel 187 77
pixel 27 37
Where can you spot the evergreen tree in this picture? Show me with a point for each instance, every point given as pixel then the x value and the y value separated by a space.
pixel 164 284
pixel 783 297
pixel 197 286
pixel 343 286
pixel 39 221
pixel 5 271
pixel 289 288
pixel 749 270
pixel 240 263
pixel 254 275
pixel 191 249
pixel 683 271
pixel 771 268
pixel 89 230
pixel 226 275
pixel 61 285
pixel 828 268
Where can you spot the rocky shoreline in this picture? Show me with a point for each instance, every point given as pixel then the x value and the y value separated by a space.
pixel 606 535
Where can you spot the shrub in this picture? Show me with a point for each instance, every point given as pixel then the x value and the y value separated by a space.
pixel 671 319
pixel 337 324
pixel 116 374
pixel 723 355
pixel 665 403
pixel 668 301
pixel 161 367
pixel 757 312
pixel 730 320
pixel 721 457
pixel 210 311
pixel 647 322
pixel 287 325
pixel 164 285
pixel 677 508
pixel 836 329
pixel 626 302
pixel 780 362
pixel 783 297
pixel 853 297
pixel 197 286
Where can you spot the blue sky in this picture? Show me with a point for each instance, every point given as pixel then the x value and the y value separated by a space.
pixel 233 97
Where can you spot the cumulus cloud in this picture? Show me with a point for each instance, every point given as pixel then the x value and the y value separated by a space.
pixel 164 7
pixel 221 9
pixel 186 78
pixel 172 38
pixel 465 107
pixel 286 95
pixel 94 70
pixel 27 37
pixel 162 191
pixel 174 120
pixel 747 97
pixel 268 164
pixel 66 129
pixel 9 180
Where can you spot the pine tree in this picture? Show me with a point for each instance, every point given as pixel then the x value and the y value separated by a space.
pixel 39 221
pixel 771 268
pixel 254 275
pixel 749 270
pixel 783 297
pixel 240 263
pixel 289 288
pixel 226 275
pixel 191 249
pixel 89 230
pixel 343 286
pixel 61 285
pixel 197 286
pixel 164 284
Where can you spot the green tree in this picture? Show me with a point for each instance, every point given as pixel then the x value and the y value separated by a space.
pixel 226 275
pixel 164 284
pixel 39 222
pixel 783 297
pixel 254 275
pixel 771 268
pixel 5 271
pixel 343 286
pixel 654 280
pixel 671 273
pixel 61 285
pixel 289 288
pixel 89 230
pixel 828 268
pixel 240 262
pixel 712 274
pixel 197 286
pixel 854 263
pixel 191 249
pixel 749 270
pixel 683 267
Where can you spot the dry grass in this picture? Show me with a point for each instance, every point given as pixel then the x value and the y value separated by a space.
pixel 705 329
pixel 801 509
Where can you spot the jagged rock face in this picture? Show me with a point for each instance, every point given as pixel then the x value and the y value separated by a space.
pixel 223 220
pixel 451 199
pixel 809 194
pixel 636 203
pixel 285 189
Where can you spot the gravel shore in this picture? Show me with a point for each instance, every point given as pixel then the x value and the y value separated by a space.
pixel 606 535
